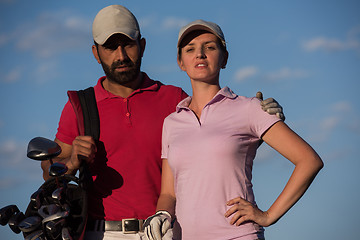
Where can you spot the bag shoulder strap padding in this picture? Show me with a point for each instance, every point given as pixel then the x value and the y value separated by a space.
pixel 85 107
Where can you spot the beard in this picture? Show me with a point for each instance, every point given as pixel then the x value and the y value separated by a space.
pixel 122 77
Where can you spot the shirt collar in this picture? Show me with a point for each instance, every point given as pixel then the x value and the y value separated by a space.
pixel 146 85
pixel 225 92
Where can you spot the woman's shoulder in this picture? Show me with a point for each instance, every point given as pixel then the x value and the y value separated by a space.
pixel 247 102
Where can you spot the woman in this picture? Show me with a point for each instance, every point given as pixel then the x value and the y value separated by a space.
pixel 209 145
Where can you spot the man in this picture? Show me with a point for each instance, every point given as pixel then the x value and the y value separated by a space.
pixel 126 162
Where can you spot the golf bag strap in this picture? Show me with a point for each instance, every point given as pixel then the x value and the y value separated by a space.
pixel 86 111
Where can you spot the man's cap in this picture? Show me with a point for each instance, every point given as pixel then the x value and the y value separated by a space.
pixel 201 25
pixel 114 19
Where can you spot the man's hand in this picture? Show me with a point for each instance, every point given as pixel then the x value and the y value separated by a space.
pixel 156 226
pixel 271 106
pixel 83 149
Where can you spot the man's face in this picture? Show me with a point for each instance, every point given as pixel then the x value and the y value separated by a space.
pixel 120 58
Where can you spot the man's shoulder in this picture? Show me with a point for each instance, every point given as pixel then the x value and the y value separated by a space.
pixel 169 87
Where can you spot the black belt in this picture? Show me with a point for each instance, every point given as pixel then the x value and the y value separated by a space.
pixel 129 225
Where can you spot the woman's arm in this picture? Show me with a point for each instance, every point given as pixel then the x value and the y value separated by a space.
pixel 167 199
pixel 307 165
pixel 157 225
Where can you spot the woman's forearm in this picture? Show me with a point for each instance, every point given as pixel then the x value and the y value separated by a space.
pixel 166 202
pixel 307 164
pixel 300 180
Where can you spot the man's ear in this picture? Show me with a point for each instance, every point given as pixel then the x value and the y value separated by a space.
pixel 96 54
pixel 142 46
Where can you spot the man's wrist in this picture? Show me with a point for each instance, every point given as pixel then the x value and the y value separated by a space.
pixel 72 169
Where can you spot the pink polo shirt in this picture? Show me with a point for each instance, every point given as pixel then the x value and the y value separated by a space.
pixel 127 168
pixel 212 160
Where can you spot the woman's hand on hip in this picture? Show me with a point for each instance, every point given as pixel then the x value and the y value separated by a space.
pixel 243 211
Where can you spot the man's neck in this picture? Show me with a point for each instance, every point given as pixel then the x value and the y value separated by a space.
pixel 123 90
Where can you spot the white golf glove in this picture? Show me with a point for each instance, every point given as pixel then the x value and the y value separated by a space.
pixel 271 106
pixel 156 226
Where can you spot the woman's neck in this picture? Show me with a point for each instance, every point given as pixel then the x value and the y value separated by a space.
pixel 202 95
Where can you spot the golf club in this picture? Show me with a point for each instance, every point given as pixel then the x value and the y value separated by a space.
pixel 37 235
pixel 6 213
pixel 58 194
pixel 29 224
pixel 57 215
pixel 15 220
pixel 48 210
pixel 42 149
pixel 54 228
pixel 65 234
pixel 58 170
pixel 36 198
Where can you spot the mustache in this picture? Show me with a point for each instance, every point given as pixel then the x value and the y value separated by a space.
pixel 126 63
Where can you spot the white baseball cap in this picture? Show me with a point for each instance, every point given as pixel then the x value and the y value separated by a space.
pixel 201 25
pixel 114 19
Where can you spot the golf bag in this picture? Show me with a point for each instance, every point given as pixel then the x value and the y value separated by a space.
pixel 85 107
pixel 70 207
pixel 58 209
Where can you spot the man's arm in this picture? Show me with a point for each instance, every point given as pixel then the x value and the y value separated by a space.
pixel 83 147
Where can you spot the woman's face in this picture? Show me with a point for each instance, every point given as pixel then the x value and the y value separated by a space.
pixel 202 57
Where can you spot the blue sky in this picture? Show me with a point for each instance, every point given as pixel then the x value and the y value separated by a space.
pixel 305 54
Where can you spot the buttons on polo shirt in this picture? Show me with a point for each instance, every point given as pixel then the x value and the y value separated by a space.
pixel 125 100
pixel 127 114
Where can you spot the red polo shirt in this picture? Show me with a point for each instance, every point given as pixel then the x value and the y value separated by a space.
pixel 127 169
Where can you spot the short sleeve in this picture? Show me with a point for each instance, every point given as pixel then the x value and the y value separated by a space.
pixel 164 141
pixel 68 128
pixel 259 120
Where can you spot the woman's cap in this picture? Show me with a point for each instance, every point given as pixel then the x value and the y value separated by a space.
pixel 201 25
pixel 114 19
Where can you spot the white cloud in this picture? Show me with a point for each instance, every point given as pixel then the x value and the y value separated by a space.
pixel 354 125
pixel 341 117
pixel 244 73
pixel 12 76
pixel 8 183
pixel 174 23
pixel 342 106
pixel 12 153
pixel 13 157
pixel 324 43
pixel 350 42
pixel 50 33
pixel 286 73
pixel 330 123
pixel 153 23
pixel 46 71
pixel 4 38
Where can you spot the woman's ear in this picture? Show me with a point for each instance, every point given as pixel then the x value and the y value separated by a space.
pixel 180 63
pixel 226 56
